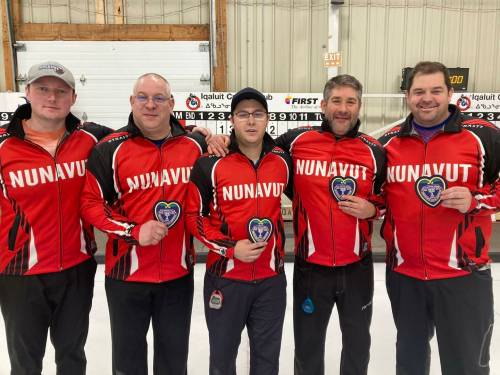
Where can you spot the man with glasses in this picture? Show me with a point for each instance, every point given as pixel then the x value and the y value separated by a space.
pixel 46 252
pixel 135 192
pixel 234 208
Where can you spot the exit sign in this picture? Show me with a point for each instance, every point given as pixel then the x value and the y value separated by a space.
pixel 332 59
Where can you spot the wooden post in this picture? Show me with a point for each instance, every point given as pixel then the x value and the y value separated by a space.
pixel 118 11
pixel 17 12
pixel 100 16
pixel 220 71
pixel 10 83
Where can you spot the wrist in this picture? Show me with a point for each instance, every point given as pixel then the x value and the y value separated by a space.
pixel 473 205
pixel 134 231
pixel 230 253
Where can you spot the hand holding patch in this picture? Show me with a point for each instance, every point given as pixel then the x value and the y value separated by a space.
pixel 151 233
pixel 248 251
pixel 457 197
pixel 357 207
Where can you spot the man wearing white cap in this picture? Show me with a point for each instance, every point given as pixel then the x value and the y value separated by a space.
pixel 46 252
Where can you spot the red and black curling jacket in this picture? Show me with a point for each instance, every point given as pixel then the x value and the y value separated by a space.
pixel 324 234
pixel 228 194
pixel 425 240
pixel 41 231
pixel 127 176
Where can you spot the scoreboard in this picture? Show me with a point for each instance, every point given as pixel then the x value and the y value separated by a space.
pixel 286 111
pixel 289 111
pixel 212 110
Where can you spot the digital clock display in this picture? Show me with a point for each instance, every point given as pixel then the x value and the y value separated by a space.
pixel 459 78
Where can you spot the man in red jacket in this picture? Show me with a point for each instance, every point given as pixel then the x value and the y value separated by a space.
pixel 135 192
pixel 441 190
pixel 234 208
pixel 46 255
pixel 338 172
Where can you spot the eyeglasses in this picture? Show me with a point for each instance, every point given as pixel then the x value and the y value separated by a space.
pixel 47 91
pixel 245 116
pixel 157 99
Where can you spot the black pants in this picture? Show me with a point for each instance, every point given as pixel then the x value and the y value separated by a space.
pixel 60 301
pixel 460 309
pixel 351 288
pixel 132 306
pixel 261 307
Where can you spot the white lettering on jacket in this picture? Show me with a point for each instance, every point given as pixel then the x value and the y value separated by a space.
pixel 171 176
pixel 410 173
pixel 249 191
pixel 330 169
pixel 44 175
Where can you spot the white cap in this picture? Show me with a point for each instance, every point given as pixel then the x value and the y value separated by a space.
pixel 51 69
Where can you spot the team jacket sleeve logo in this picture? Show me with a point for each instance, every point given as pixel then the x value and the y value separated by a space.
pixel 429 189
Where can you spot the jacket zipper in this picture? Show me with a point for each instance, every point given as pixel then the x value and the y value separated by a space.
pixel 422 208
pixel 334 255
pixel 163 198
pixel 256 171
pixel 161 252
pixel 59 203
pixel 257 206
pixel 422 223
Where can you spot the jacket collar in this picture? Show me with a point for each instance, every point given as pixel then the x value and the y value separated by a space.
pixel 175 126
pixel 23 112
pixel 353 133
pixel 267 144
pixel 453 125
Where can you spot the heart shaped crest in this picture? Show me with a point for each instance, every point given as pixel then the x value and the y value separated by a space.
pixel 167 212
pixel 342 186
pixel 260 229
pixel 429 189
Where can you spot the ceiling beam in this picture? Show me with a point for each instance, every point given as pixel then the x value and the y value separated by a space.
pixel 47 31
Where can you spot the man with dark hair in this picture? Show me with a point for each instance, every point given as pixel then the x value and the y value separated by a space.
pixel 428 67
pixel 234 208
pixel 46 253
pixel 135 192
pixel 337 175
pixel 441 190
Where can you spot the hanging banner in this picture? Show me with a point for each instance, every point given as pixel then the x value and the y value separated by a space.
pixel 485 106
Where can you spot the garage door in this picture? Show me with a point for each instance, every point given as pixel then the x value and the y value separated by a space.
pixel 105 71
